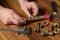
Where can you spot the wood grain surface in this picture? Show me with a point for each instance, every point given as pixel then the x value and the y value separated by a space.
pixel 13 4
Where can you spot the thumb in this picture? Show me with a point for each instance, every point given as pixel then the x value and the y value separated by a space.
pixel 27 12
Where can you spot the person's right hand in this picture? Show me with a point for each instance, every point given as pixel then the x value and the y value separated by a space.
pixel 8 16
pixel 26 6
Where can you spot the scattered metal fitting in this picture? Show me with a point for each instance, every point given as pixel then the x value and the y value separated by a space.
pixel 55 31
pixel 55 15
pixel 32 18
pixel 29 31
pixel 58 30
pixel 36 30
pixel 26 19
pixel 40 25
pixel 25 27
pixel 49 29
pixel 46 24
pixel 51 33
pixel 56 25
pixel 44 33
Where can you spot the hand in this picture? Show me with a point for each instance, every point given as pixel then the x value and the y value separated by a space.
pixel 8 16
pixel 29 5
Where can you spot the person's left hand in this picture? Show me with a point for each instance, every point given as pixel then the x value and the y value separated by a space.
pixel 8 16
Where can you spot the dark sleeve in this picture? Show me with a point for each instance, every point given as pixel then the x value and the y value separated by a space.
pixel 2 2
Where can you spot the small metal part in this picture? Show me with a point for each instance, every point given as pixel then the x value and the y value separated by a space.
pixel 54 15
pixel 32 18
pixel 51 33
pixel 37 29
pixel 40 25
pixel 56 25
pixel 51 28
pixel 55 31
pixel 46 24
pixel 25 27
pixel 26 19
pixel 44 33
pixel 28 29
pixel 58 30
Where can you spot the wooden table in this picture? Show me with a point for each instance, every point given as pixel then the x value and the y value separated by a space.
pixel 34 36
pixel 14 36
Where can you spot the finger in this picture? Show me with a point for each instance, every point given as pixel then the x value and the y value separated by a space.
pixel 15 16
pixel 14 20
pixel 27 12
pixel 10 21
pixel 34 9
pixel 18 18
pixel 29 7
pixel 22 21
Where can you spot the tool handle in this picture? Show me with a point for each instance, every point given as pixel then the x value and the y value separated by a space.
pixel 54 6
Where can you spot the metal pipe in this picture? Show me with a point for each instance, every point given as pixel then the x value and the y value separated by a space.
pixel 35 18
